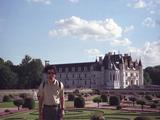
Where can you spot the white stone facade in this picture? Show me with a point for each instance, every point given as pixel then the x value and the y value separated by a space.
pixel 114 71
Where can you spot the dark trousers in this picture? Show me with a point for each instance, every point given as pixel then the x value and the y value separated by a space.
pixel 51 112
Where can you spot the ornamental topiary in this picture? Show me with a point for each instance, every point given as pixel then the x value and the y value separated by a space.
pixel 79 102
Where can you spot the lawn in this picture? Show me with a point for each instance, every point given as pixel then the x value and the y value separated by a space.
pixel 79 114
pixel 7 105
pixel 84 114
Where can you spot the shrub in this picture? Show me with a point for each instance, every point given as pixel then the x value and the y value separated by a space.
pixel 6 110
pixel 76 92
pixel 153 105
pixel 18 102
pixel 141 102
pixel 104 98
pixel 114 100
pixel 7 98
pixel 133 99
pixel 97 116
pixel 29 103
pixel 118 107
pixel 23 95
pixel 142 118
pixel 97 100
pixel 96 91
pixel 79 102
pixel 71 97
pixel 147 97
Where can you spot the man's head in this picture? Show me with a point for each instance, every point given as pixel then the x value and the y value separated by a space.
pixel 50 70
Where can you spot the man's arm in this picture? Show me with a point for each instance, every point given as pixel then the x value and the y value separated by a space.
pixel 62 102
pixel 40 99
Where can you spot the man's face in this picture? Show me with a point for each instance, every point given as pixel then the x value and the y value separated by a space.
pixel 51 74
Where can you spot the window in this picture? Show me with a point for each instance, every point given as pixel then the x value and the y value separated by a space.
pixel 79 68
pixel 59 75
pixel 66 69
pixel 85 75
pixel 73 69
pixel 85 82
pixel 60 69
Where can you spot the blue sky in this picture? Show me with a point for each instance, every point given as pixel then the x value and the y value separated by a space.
pixel 71 31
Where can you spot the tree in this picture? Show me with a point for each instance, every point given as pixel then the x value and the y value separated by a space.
pixel 18 102
pixel 133 99
pixel 26 60
pixel 30 73
pixel 8 78
pixel 97 100
pixel 147 79
pixel 142 103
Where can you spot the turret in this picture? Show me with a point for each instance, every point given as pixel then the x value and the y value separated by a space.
pixel 141 82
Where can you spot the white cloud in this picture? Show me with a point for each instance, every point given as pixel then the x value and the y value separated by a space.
pixel 74 1
pixel 93 52
pixel 82 29
pixel 150 53
pixel 121 42
pixel 149 22
pixel 128 28
pixel 47 2
pixel 140 4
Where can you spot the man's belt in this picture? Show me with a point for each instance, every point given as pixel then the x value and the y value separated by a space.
pixel 52 105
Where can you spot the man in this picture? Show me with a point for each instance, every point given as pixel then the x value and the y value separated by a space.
pixel 51 96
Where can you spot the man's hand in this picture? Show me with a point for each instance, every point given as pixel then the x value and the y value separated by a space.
pixel 40 116
pixel 61 114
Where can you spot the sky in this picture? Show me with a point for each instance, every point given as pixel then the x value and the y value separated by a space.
pixel 75 31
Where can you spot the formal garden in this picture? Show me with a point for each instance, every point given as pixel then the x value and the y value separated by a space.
pixel 86 106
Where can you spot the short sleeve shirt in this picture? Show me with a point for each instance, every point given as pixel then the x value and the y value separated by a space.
pixel 51 93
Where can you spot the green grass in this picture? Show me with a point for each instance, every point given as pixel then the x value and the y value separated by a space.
pixel 84 114
pixel 78 114
pixel 7 105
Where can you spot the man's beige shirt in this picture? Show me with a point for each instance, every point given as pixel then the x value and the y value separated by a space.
pixel 51 93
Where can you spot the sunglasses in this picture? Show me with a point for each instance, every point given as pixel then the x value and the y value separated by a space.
pixel 51 73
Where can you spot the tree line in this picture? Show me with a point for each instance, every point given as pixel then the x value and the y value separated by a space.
pixel 28 74
pixel 152 75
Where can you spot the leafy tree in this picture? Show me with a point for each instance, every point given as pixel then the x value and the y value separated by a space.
pixel 18 102
pixel 97 100
pixel 1 61
pixel 142 103
pixel 26 60
pixel 154 74
pixel 133 99
pixel 147 79
pixel 8 78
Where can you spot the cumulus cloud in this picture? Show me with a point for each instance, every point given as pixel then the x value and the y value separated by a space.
pixel 93 52
pixel 149 22
pixel 138 4
pixel 150 53
pixel 47 2
pixel 74 1
pixel 128 28
pixel 121 42
pixel 82 29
